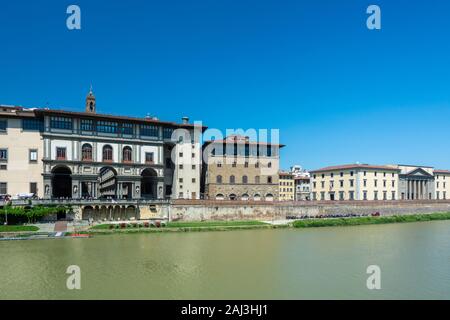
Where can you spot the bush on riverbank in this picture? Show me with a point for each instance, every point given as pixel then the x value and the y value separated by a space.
pixel 18 215
pixel 335 222
pixel 9 228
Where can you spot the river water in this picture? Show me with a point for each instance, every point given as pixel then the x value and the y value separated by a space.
pixel 323 263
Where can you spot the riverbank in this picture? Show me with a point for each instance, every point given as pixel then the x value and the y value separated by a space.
pixel 181 227
pixel 342 222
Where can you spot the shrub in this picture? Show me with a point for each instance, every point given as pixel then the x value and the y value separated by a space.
pixel 157 224
pixel 111 226
pixel 123 225
pixel 146 224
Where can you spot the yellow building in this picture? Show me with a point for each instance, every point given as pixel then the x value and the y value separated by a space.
pixel 286 186
pixel 355 182
pixel 374 182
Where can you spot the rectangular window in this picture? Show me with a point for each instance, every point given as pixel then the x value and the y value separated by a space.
pixel 149 157
pixel 32 125
pixel 269 179
pixel 393 195
pixel 365 195
pixel 3 125
pixel 61 123
pixel 341 183
pixel 351 195
pixel 322 195
pixel 352 183
pixel 193 167
pixel 193 180
pixel 3 167
pixel 393 183
pixel 107 127
pixel 149 131
pixel 87 125
pixel 33 187
pixel 341 195
pixel 180 180
pixel 60 153
pixel 375 195
pixel 167 133
pixel 180 166
pixel 3 188
pixel 127 128
pixel 384 195
pixel 3 154
pixel 33 155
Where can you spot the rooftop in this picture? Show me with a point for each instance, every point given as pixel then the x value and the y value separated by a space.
pixel 357 166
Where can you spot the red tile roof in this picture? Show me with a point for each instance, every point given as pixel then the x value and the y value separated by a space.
pixel 356 166
pixel 442 171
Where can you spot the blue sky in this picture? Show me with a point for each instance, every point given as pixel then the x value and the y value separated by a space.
pixel 338 92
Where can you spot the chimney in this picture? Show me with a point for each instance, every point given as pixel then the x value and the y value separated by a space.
pixel 185 120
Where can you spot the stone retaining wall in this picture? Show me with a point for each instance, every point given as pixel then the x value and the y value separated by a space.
pixel 225 210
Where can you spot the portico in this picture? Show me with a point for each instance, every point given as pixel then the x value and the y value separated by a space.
pixel 417 184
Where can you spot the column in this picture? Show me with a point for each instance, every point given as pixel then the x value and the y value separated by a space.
pixel 421 190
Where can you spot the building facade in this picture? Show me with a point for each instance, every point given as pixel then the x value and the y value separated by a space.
pixel 287 187
pixel 238 169
pixel 91 155
pixel 21 150
pixel 373 182
pixel 302 188
pixel 302 183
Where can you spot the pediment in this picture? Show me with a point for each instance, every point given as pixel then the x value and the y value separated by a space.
pixel 419 172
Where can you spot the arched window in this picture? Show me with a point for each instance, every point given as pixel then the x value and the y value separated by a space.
pixel 257 179
pixel 233 196
pixel 219 179
pixel 257 197
pixel 219 196
pixel 126 154
pixel 244 197
pixel 232 179
pixel 244 179
pixel 86 152
pixel 269 197
pixel 107 153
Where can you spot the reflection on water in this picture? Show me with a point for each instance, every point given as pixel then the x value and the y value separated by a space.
pixel 253 264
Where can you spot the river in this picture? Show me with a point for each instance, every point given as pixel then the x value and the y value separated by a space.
pixel 323 263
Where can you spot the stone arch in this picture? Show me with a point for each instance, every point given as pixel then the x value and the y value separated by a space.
pixel 107 182
pixel 149 182
pixel 61 182
pixel 269 197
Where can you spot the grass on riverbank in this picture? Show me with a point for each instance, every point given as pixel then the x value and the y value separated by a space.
pixel 201 224
pixel 18 228
pixel 336 222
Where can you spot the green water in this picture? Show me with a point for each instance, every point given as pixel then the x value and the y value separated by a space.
pixel 253 264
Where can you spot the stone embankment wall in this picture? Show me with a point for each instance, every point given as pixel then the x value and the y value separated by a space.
pixel 198 210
